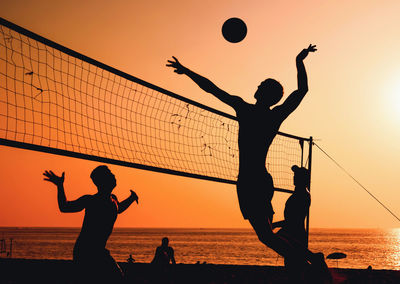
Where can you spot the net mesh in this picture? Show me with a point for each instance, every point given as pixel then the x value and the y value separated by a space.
pixel 50 98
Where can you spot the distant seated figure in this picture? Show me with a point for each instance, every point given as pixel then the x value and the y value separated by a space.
pixel 164 254
pixel 130 259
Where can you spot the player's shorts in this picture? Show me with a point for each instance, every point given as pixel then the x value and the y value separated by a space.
pixel 255 193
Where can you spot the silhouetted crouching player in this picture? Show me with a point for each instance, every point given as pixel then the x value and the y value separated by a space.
pixel 94 261
pixel 296 209
pixel 258 126
pixel 293 228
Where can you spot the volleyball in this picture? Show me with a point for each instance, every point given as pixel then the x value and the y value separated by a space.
pixel 234 30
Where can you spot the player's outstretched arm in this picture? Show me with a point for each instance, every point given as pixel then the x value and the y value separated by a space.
pixel 63 204
pixel 204 83
pixel 295 98
pixel 122 206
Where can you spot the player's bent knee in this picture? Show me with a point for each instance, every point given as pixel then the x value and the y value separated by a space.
pixel 265 237
pixel 267 240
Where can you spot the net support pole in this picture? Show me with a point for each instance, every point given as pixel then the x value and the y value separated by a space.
pixel 309 188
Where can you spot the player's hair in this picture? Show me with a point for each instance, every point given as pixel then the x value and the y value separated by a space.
pixel 274 86
pixel 302 176
pixel 165 240
pixel 97 175
pixel 272 91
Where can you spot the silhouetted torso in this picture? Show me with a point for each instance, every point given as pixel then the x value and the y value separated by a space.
pixel 98 223
pixel 296 210
pixel 258 127
pixel 163 255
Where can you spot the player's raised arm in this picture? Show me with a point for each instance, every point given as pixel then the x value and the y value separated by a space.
pixel 295 98
pixel 204 83
pixel 64 205
pixel 122 206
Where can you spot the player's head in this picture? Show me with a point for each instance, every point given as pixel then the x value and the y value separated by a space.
pixel 301 177
pixel 269 92
pixel 103 178
pixel 165 242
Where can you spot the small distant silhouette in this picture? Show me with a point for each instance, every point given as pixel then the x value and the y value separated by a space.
pixel 94 261
pixel 130 259
pixel 164 254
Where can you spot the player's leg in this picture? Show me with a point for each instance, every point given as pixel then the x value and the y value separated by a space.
pixel 262 227
pixel 300 263
pixel 111 270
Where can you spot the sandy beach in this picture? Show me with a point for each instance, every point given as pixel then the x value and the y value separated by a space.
pixel 62 271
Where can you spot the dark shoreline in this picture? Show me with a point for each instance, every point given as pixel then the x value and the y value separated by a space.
pixel 62 271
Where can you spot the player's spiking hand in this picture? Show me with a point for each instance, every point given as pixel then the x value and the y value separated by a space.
pixel 134 196
pixel 303 54
pixel 52 177
pixel 179 68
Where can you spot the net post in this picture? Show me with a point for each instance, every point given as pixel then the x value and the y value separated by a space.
pixel 309 188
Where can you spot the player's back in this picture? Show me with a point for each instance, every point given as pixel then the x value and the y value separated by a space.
pixel 257 129
pixel 296 209
pixel 98 223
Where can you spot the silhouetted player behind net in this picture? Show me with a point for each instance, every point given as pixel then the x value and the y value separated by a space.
pixel 258 126
pixel 292 227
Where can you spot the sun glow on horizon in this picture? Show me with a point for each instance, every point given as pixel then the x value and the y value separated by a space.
pixel 396 99
pixel 393 97
pixel 396 246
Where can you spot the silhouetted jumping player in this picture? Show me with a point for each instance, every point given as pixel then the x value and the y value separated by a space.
pixel 95 263
pixel 293 228
pixel 258 125
pixel 164 254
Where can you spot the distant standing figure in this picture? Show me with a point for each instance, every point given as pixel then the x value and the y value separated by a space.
pixel 164 254
pixel 101 209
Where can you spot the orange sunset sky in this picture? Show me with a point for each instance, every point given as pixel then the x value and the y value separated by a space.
pixel 352 109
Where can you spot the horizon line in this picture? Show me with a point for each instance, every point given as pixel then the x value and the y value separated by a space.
pixel 192 228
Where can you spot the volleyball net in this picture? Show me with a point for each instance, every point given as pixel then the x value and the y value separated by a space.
pixel 55 100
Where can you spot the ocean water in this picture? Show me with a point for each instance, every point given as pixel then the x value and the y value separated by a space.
pixel 363 247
